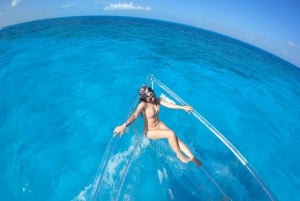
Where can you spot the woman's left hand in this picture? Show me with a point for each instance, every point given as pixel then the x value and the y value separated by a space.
pixel 188 108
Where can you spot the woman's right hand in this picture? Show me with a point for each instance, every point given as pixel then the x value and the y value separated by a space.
pixel 119 130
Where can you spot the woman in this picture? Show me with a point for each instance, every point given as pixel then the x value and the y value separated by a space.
pixel 149 106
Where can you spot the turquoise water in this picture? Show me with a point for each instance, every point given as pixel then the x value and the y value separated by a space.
pixel 66 83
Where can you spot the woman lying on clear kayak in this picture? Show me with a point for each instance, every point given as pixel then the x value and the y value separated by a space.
pixel 154 128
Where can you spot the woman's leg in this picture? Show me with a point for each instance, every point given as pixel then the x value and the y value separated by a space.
pixel 174 142
pixel 185 149
pixel 187 152
pixel 162 131
pixel 182 146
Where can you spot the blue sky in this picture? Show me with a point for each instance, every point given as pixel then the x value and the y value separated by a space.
pixel 273 25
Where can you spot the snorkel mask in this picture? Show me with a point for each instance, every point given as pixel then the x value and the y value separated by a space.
pixel 145 92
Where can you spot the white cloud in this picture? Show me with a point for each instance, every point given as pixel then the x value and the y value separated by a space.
pixel 126 6
pixel 67 5
pixel 15 3
pixel 291 44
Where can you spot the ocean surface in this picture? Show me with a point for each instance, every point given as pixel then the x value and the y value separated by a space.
pixel 66 83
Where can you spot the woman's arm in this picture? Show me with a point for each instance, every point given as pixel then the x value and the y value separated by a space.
pixel 187 108
pixel 119 130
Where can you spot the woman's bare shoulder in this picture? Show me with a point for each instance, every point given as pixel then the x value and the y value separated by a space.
pixel 141 105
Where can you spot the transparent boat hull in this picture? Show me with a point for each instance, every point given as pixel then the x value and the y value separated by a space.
pixel 143 169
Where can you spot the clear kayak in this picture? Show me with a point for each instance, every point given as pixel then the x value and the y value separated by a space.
pixel 136 168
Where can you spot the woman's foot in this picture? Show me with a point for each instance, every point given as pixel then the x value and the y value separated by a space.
pixel 196 161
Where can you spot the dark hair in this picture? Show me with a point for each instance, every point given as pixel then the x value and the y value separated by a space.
pixel 143 99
